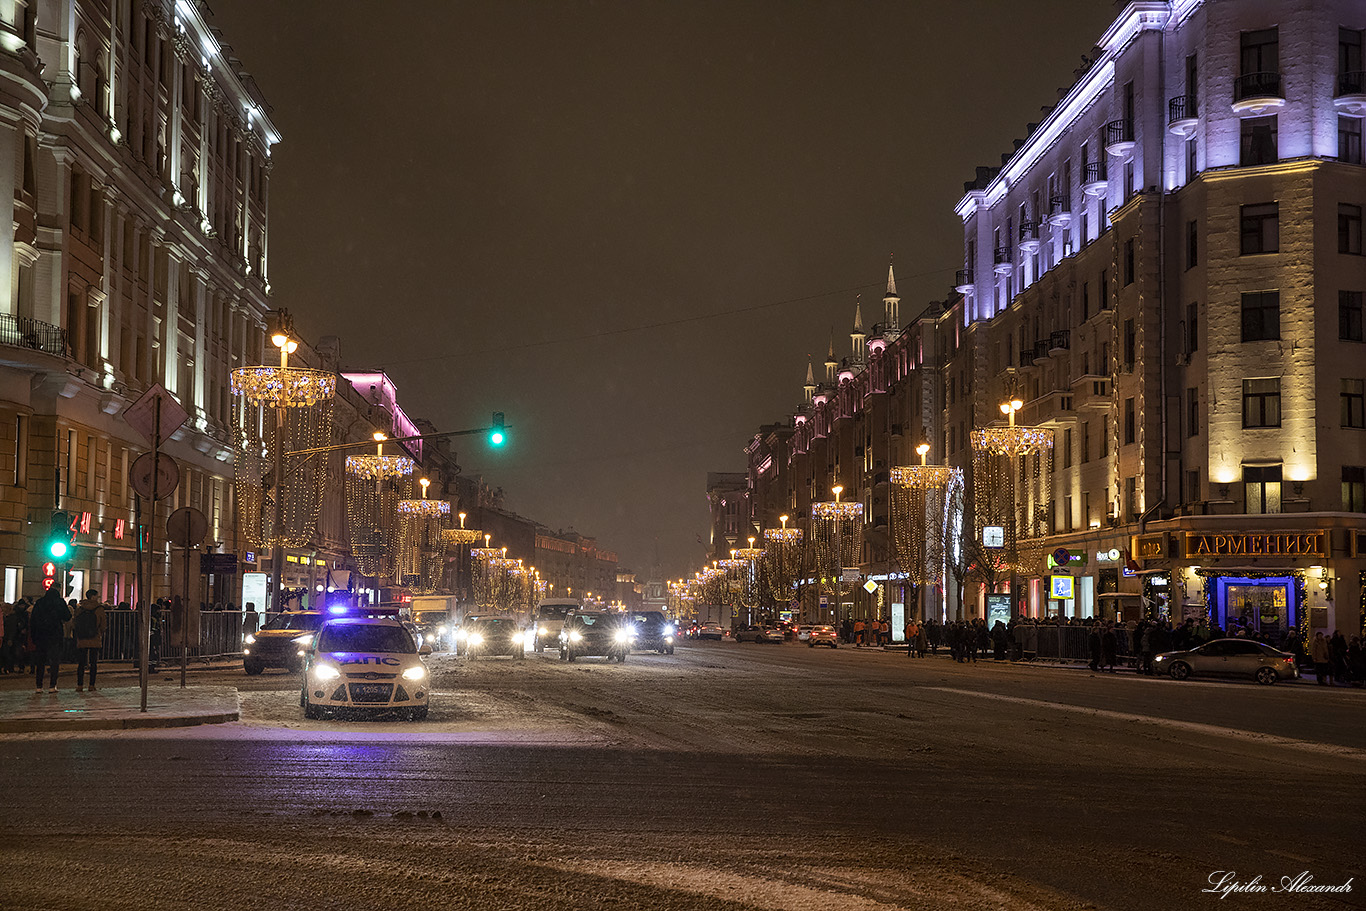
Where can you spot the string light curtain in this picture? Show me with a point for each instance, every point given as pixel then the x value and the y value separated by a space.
pixel 374 486
pixel 278 411
pixel 783 561
pixel 421 556
pixel 1012 471
pixel 927 516
pixel 836 531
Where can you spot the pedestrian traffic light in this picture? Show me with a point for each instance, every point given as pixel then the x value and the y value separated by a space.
pixel 49 575
pixel 58 541
pixel 496 434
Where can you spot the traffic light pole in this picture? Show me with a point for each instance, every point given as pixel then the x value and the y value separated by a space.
pixel 416 436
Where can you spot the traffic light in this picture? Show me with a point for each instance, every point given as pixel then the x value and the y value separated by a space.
pixel 497 437
pixel 49 575
pixel 58 542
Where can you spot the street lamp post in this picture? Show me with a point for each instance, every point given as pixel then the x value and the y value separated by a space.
pixel 287 347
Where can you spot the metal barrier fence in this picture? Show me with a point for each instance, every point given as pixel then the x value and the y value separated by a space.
pixel 1063 643
pixel 220 636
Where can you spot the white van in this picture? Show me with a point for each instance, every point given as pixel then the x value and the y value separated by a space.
pixel 548 620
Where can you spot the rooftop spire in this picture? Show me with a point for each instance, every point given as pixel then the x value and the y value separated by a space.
pixel 891 279
pixel 810 374
pixel 858 313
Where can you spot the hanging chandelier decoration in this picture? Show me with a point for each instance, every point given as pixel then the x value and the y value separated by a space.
pixel 373 492
pixel 1012 471
pixel 783 555
pixel 420 547
pixel 748 574
pixel 462 536
pixel 836 531
pixel 927 515
pixel 278 414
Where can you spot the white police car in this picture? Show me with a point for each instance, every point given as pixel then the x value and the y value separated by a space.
pixel 365 665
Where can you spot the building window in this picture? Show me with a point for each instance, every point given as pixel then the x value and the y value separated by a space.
pixel 1085 301
pixel 1130 345
pixel 1129 421
pixel 1349 140
pixel 1129 261
pixel 1349 316
pixel 1192 411
pixel 1085 442
pixel 1192 328
pixel 1257 141
pixel 1192 244
pixel 1193 486
pixel 1354 403
pixel 1262 488
pixel 1260 229
pixel 1192 168
pixel 1067 512
pixel 1262 403
pixel 1131 498
pixel 1349 229
pixel 1261 316
pixel 1353 488
pixel 20 450
pixel 1104 437
pixel 1067 447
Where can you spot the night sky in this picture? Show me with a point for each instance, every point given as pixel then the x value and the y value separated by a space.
pixel 627 225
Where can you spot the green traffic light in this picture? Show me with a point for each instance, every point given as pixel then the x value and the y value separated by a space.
pixel 497 438
pixel 57 549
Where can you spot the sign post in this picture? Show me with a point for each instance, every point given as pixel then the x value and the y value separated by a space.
pixel 156 415
pixel 186 528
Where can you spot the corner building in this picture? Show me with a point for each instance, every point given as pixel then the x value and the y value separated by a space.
pixel 134 165
pixel 1169 272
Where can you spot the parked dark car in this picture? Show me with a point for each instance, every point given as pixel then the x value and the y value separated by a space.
pixel 595 633
pixel 1229 658
pixel 654 631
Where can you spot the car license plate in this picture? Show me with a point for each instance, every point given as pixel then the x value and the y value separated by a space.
pixel 371 692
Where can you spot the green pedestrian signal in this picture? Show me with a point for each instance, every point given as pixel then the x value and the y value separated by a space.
pixel 497 436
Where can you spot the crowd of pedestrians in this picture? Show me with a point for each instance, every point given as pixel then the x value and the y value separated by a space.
pixel 1336 659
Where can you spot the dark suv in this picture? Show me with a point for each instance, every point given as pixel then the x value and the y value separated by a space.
pixel 281 642
pixel 654 631
pixel 595 632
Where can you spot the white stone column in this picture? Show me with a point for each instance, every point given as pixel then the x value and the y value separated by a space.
pixel 11 131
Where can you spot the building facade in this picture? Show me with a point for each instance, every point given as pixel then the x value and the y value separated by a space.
pixel 135 163
pixel 1168 274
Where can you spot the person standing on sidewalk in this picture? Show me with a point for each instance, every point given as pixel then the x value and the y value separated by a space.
pixel 47 626
pixel 1318 653
pixel 89 625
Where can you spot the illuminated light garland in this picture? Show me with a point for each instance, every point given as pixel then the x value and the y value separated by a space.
pixel 304 479
pixel 1012 488
pixel 782 560
pixel 371 513
pixel 927 514
pixel 836 530
pixel 457 537
pixel 379 467
pixel 283 387
pixel 837 510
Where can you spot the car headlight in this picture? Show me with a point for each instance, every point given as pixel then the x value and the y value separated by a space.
pixel 250 639
pixel 576 636
pixel 668 639
pixel 441 630
pixel 669 630
pixel 459 634
pixel 623 635
pixel 415 673
pixel 474 639
pixel 541 631
pixel 304 639
pixel 325 672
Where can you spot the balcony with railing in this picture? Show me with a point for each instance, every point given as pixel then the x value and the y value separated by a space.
pixel 26 332
pixel 1029 236
pixel 1003 264
pixel 1059 341
pixel 1050 409
pixel 963 283
pixel 1257 93
pixel 1351 94
pixel 1119 139
pixel 1041 350
pixel 1060 210
pixel 1027 357
pixel 1094 179
pixel 1183 115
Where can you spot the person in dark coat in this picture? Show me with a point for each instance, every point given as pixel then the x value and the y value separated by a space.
pixel 89 624
pixel 47 626
pixel 998 638
pixel 983 638
pixel 1109 648
pixel 1093 641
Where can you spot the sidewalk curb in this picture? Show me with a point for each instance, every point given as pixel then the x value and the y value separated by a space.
pixel 46 726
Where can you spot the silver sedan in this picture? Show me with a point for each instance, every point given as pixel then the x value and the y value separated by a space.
pixel 1229 658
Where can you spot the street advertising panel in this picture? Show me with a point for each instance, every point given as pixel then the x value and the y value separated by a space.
pixel 998 608
pixel 254 590
pixel 898 621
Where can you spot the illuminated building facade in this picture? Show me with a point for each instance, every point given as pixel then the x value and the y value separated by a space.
pixel 1169 273
pixel 134 169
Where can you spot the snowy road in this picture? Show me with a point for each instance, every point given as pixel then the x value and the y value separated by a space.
pixel 725 776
